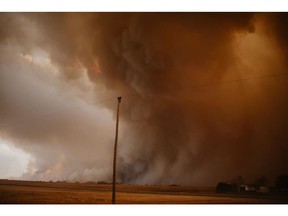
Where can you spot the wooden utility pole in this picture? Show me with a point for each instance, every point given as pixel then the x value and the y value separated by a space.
pixel 115 154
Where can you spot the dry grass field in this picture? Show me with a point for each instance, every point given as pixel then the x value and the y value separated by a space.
pixel 27 192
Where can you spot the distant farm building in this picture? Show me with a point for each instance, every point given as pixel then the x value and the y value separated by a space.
pixel 247 188
pixel 263 189
pixel 227 187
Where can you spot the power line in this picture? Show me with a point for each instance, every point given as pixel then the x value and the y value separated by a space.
pixel 229 82
pixel 47 115
pixel 247 79
pixel 156 95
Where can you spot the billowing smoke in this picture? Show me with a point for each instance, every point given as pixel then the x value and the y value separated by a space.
pixel 204 95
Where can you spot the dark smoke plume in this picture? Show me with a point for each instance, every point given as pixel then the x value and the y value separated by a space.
pixel 204 95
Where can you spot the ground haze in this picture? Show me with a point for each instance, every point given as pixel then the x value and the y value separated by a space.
pixel 29 192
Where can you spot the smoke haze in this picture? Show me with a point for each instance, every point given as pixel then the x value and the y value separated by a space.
pixel 204 95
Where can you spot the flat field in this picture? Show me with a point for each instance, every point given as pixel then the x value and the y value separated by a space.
pixel 29 192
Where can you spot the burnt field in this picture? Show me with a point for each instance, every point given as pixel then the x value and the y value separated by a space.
pixel 28 192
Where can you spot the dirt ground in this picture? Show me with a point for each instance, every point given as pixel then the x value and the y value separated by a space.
pixel 25 192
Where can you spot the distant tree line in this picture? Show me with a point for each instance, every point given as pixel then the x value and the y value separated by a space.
pixel 236 185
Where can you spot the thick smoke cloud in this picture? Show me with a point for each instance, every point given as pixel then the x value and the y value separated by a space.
pixel 199 102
